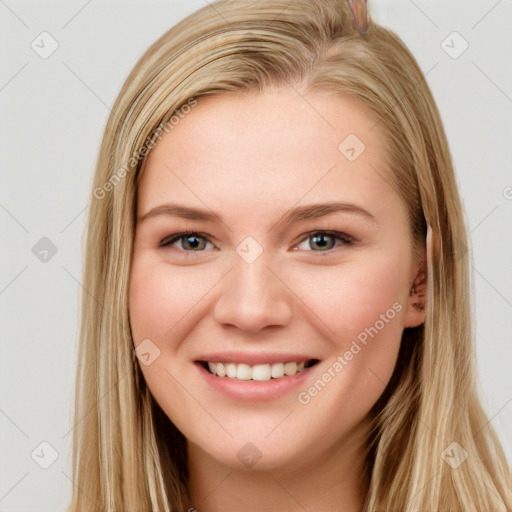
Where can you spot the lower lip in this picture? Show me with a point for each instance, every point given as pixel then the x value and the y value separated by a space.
pixel 252 390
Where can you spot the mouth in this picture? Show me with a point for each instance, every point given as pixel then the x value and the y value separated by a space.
pixel 259 372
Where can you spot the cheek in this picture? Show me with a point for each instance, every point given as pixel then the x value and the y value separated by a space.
pixel 160 303
pixel 362 304
pixel 353 296
pixel 160 298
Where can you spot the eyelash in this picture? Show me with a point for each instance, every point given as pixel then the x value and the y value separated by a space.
pixel 342 237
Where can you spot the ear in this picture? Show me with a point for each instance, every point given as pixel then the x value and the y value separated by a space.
pixel 415 309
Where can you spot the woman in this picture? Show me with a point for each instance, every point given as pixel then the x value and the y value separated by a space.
pixel 278 307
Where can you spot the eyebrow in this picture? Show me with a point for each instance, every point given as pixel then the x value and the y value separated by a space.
pixel 301 213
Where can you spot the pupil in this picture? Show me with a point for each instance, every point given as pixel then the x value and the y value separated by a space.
pixel 317 238
pixel 193 244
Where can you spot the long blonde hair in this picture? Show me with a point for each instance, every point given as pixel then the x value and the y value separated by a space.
pixel 127 455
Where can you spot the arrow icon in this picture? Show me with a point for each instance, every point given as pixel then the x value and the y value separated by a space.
pixel 249 454
pixel 454 45
pixel 247 252
pixel 44 455
pixel 351 147
pixel 147 352
pixel 44 250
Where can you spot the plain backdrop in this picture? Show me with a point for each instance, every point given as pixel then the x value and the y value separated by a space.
pixel 53 111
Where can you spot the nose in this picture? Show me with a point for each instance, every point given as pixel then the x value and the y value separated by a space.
pixel 253 297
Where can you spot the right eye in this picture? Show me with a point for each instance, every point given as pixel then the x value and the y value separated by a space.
pixel 191 241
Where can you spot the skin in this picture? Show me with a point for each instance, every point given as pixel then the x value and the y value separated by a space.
pixel 251 158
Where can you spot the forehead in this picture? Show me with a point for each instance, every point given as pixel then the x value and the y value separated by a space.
pixel 271 146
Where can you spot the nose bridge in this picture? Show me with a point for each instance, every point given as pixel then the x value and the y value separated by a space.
pixel 253 296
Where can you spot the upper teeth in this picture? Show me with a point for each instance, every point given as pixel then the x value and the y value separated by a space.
pixel 257 372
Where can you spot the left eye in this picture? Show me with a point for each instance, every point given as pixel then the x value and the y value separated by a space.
pixel 326 240
pixel 323 240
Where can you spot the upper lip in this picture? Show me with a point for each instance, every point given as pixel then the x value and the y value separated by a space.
pixel 252 358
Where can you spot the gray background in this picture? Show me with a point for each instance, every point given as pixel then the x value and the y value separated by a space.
pixel 53 111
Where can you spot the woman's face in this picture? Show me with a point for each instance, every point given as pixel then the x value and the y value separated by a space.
pixel 307 324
